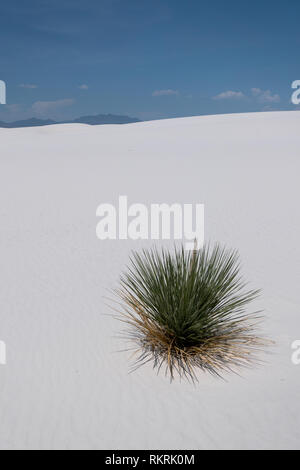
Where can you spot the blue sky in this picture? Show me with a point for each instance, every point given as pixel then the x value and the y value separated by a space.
pixel 149 59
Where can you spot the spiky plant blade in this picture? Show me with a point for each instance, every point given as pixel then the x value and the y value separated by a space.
pixel 187 310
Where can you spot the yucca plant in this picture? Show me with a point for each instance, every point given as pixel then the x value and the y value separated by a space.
pixel 187 310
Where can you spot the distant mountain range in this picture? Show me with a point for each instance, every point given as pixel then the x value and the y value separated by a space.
pixel 91 120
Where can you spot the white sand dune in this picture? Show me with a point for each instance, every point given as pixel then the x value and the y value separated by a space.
pixel 64 385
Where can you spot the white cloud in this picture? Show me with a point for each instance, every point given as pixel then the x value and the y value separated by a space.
pixel 165 92
pixel 45 108
pixel 28 85
pixel 256 91
pixel 56 110
pixel 83 87
pixel 262 96
pixel 228 95
pixel 265 96
pixel 12 112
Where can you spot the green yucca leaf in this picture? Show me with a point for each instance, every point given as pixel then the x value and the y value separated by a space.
pixel 188 309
